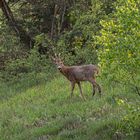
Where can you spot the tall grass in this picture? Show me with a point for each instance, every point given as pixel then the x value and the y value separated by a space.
pixel 46 111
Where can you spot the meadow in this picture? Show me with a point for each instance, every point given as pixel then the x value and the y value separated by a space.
pixel 35 101
pixel 46 111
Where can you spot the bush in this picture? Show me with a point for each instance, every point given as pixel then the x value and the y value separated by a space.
pixel 119 41
pixel 32 65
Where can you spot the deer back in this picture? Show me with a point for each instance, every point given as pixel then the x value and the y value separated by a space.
pixel 79 73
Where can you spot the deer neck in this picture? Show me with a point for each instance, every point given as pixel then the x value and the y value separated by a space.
pixel 65 71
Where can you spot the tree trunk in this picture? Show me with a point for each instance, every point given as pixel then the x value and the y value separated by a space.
pixel 21 33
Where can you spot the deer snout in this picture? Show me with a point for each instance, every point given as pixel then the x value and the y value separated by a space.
pixel 59 67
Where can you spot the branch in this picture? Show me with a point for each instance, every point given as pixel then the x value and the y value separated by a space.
pixel 21 33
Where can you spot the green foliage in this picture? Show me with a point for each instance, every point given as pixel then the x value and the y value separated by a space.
pixel 77 45
pixel 31 65
pixel 120 51
pixel 130 122
pixel 74 52
pixel 8 41
pixel 75 23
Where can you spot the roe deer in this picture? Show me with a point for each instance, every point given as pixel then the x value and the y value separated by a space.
pixel 76 74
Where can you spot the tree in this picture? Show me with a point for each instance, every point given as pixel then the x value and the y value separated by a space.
pixel 20 32
pixel 120 41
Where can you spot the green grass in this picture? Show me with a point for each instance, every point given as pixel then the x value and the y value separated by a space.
pixel 46 111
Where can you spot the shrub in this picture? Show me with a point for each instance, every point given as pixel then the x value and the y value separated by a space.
pixel 120 51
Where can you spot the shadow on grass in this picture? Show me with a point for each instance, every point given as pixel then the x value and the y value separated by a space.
pixel 12 88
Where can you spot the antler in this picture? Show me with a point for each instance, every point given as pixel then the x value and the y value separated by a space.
pixel 56 57
pixel 59 56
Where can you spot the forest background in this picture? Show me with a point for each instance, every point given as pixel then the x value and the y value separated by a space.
pixel 101 32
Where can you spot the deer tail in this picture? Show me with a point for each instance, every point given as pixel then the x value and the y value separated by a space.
pixel 97 71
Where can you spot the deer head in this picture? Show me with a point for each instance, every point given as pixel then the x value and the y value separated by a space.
pixel 57 61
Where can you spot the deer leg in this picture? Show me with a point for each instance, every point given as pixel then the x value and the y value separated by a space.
pixel 72 88
pixel 93 93
pixel 99 88
pixel 79 85
pixel 95 85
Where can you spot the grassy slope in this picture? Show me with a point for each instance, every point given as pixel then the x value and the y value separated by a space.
pixel 46 112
